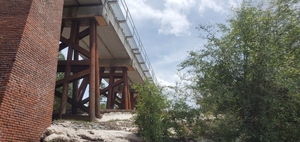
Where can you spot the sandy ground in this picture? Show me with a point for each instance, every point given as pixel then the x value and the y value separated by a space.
pixel 113 127
pixel 116 116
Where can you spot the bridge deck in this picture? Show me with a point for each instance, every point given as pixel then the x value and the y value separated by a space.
pixel 118 41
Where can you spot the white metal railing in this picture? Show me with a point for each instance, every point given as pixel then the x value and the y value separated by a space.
pixel 120 12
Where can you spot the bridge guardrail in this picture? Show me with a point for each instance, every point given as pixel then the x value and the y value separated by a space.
pixel 122 15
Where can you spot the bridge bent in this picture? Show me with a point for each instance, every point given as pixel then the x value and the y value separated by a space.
pixel 103 45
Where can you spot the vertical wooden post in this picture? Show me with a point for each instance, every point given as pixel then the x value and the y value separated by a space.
pixel 129 97
pixel 65 90
pixel 75 83
pixel 97 101
pixel 110 95
pixel 125 89
pixel 93 69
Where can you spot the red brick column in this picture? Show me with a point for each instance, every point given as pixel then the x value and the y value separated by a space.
pixel 29 38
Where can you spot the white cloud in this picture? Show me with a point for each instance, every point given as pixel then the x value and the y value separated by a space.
pixel 219 6
pixel 140 11
pixel 179 5
pixel 173 58
pixel 163 82
pixel 172 19
pixel 174 22
pixel 215 5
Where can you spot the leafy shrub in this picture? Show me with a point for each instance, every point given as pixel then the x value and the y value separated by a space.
pixel 151 119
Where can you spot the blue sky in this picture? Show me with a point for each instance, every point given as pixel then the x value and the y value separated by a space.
pixel 167 29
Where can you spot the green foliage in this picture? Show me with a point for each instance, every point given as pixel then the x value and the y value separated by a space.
pixel 183 112
pixel 151 119
pixel 182 118
pixel 250 75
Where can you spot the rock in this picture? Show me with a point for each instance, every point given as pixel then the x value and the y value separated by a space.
pixel 57 138
pixel 91 132
pixel 91 138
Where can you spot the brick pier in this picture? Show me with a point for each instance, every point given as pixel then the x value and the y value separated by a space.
pixel 29 38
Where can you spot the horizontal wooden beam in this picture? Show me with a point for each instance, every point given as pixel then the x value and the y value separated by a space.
pixel 83 64
pixel 74 62
pixel 73 77
pixel 111 85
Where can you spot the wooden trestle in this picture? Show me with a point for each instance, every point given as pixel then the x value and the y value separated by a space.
pixel 82 69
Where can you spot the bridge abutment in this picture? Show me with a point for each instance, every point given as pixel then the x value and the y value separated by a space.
pixel 29 37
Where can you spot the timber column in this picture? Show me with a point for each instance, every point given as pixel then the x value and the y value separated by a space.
pixel 29 37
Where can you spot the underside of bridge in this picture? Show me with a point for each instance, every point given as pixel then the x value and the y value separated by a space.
pixel 83 70
pixel 102 59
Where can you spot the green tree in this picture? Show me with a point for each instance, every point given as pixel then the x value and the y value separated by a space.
pixel 151 119
pixel 248 73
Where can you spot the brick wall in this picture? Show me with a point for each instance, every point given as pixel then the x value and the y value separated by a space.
pixel 29 37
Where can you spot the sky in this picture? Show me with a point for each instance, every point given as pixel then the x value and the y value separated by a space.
pixel 167 29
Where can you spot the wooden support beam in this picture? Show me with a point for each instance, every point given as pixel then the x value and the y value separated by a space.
pixel 71 78
pixel 82 88
pixel 75 46
pixel 84 33
pixel 63 103
pixel 129 100
pixel 92 69
pixel 110 89
pixel 112 85
pixel 105 94
pixel 75 62
pixel 75 97
pixel 115 75
pixel 103 91
pixel 75 65
pixel 62 46
pixel 69 100
pixel 73 68
pixel 125 94
pixel 97 72
pixel 75 83
pixel 102 63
